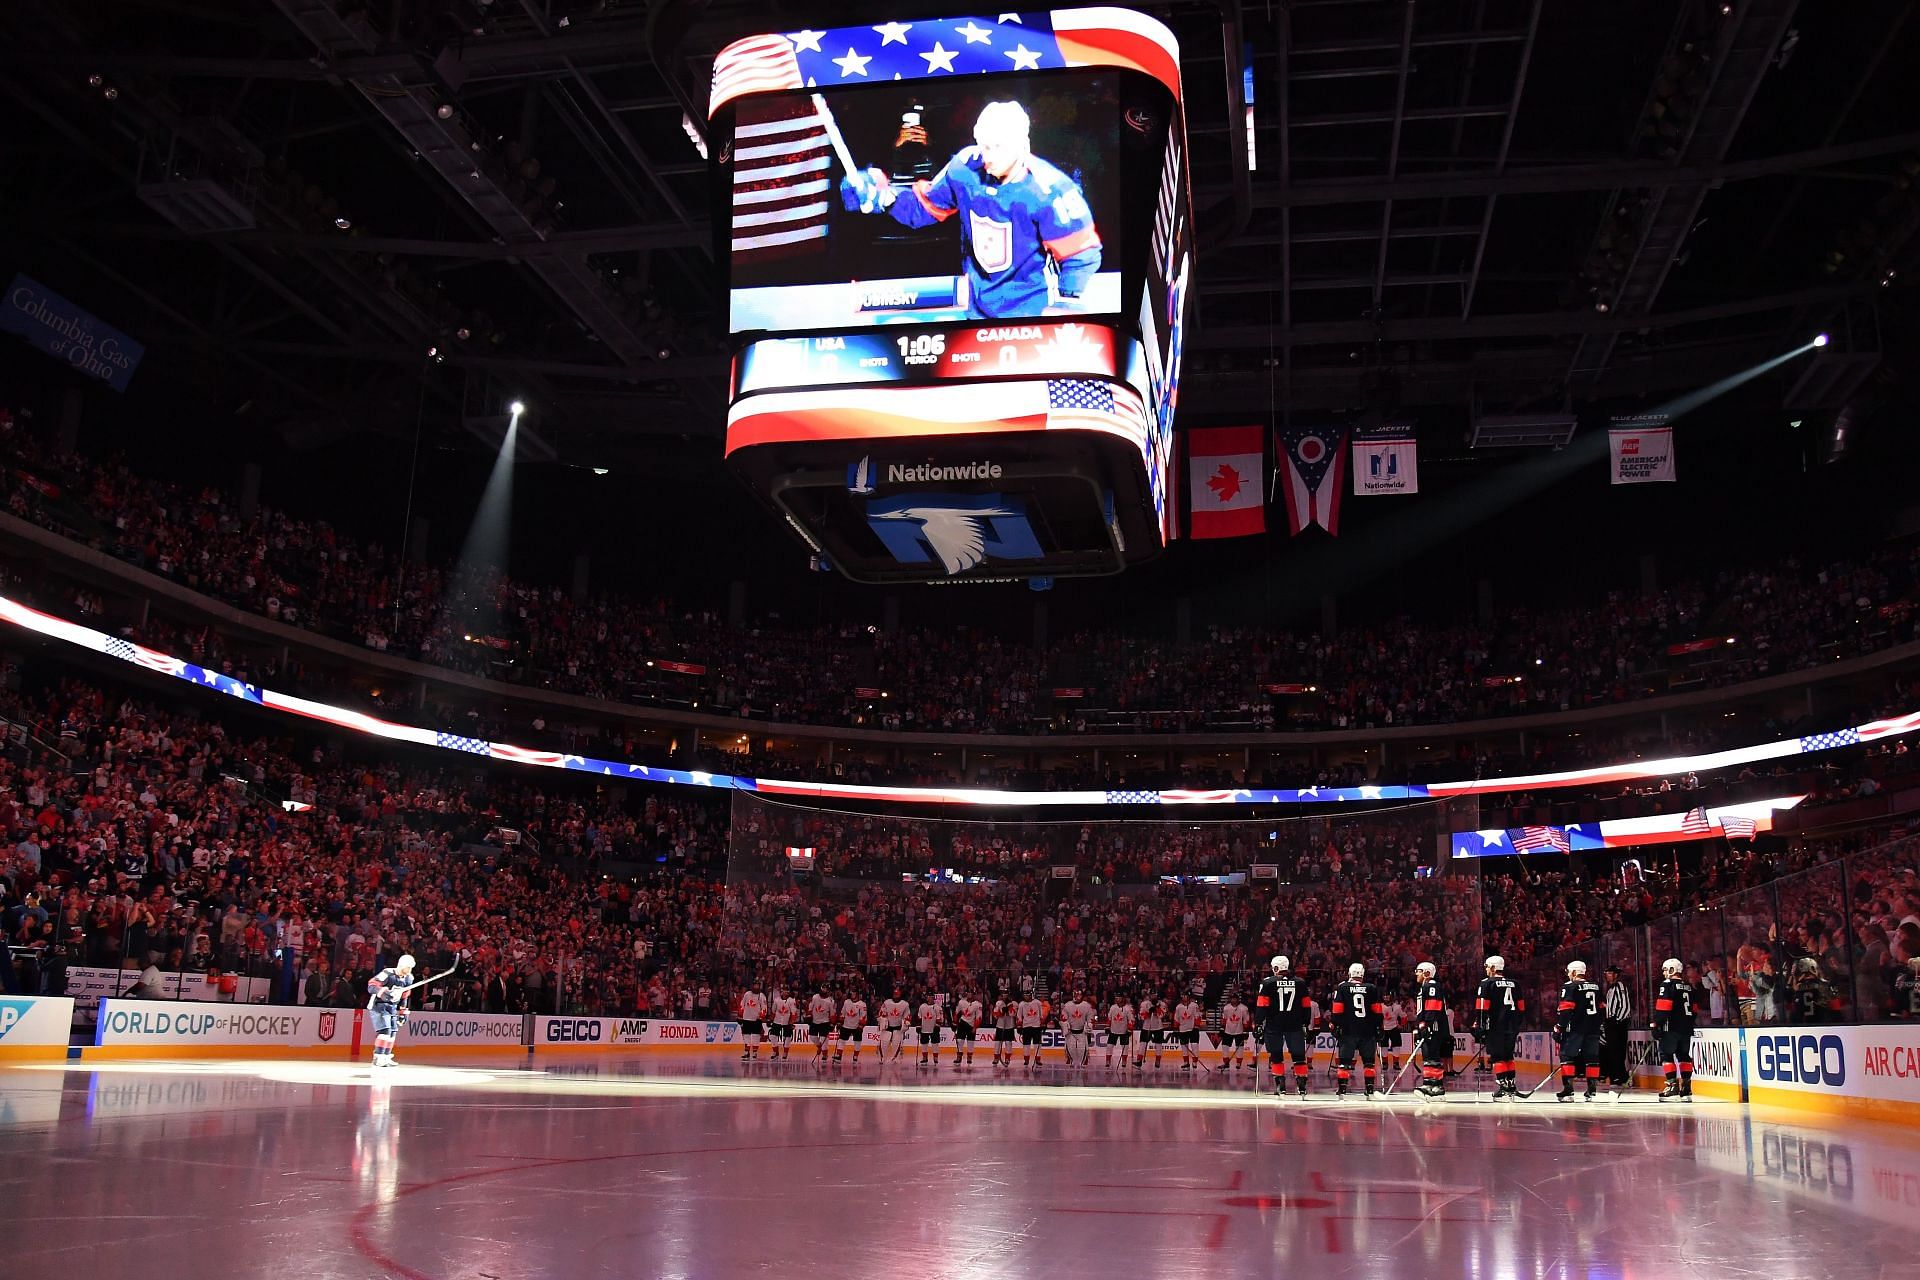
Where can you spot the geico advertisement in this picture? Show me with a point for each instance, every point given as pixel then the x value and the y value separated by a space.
pixel 1858 1173
pixel 1861 1062
pixel 464 1028
pixel 144 1022
pixel 34 1022
pixel 608 1032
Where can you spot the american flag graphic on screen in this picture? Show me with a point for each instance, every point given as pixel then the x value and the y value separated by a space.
pixel 782 180
pixel 934 49
pixel 1540 839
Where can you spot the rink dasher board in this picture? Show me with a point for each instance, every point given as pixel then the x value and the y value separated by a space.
pixel 34 1028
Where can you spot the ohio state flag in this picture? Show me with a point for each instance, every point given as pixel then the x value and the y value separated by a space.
pixel 1226 481
pixel 1313 467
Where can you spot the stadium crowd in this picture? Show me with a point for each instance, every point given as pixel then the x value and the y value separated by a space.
pixel 308 573
pixel 145 839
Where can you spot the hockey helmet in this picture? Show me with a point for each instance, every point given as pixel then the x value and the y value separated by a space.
pixel 1496 964
pixel 1672 969
pixel 1356 971
pixel 404 964
pixel 1281 964
pixel 1002 124
pixel 1425 969
pixel 1577 969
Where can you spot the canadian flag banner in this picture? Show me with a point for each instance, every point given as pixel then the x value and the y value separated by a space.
pixel 1227 481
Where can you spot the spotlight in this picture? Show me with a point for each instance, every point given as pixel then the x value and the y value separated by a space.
pixel 1820 339
pixel 96 80
pixel 1602 307
pixel 444 111
pixel 600 471
pixel 463 333
pixel 343 222
pixel 110 93
pixel 433 353
pixel 516 408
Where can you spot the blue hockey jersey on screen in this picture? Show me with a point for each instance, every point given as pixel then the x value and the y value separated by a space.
pixel 1010 231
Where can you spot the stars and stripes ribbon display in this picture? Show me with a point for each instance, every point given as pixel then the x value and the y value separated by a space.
pixel 1735 822
pixel 1607 834
pixel 904 412
pixel 1541 840
pixel 878 53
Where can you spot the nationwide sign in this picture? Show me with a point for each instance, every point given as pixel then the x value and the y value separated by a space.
pixel 931 473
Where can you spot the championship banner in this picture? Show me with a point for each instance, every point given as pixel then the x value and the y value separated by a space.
pixel 1311 460
pixel 69 333
pixel 1641 454
pixel 1386 462
pixel 1226 481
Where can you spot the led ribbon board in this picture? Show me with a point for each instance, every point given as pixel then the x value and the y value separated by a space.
pixel 952 239
pixel 28 618
pixel 1734 821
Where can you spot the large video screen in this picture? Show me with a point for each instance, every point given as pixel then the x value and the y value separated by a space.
pixel 919 202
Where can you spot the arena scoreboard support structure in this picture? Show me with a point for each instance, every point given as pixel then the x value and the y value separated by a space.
pixel 958 255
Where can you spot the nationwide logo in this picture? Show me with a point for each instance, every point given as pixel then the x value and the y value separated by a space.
pixel 860 476
pixel 930 473
pixel 960 530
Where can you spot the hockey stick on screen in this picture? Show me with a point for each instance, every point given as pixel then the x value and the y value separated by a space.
pixel 832 127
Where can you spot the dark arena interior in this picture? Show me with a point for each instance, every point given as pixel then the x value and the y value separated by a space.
pixel 678 637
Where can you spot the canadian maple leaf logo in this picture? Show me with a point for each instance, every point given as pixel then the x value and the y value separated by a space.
pixel 1225 483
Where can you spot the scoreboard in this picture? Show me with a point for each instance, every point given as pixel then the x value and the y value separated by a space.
pixel 958 255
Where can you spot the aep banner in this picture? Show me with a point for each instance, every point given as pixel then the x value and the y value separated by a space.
pixel 1641 455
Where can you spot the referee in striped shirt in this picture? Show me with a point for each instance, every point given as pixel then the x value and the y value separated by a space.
pixel 1618 1018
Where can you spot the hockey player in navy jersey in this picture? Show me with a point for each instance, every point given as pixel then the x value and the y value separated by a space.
pixel 1028 237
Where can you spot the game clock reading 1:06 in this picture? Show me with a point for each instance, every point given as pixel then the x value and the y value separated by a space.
pixel 922 348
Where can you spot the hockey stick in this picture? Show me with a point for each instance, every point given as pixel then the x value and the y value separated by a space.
pixel 1552 1071
pixel 1478 1057
pixel 832 127
pixel 1398 1076
pixel 447 972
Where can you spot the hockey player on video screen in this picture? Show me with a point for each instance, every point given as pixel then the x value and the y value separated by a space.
pixel 1022 220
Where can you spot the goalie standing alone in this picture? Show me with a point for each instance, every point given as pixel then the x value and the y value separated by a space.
pixel 1028 238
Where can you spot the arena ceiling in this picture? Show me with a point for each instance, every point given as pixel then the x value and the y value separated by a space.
pixel 1500 206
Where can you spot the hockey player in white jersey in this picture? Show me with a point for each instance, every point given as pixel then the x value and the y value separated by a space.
pixel 1076 1021
pixel 753 1017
